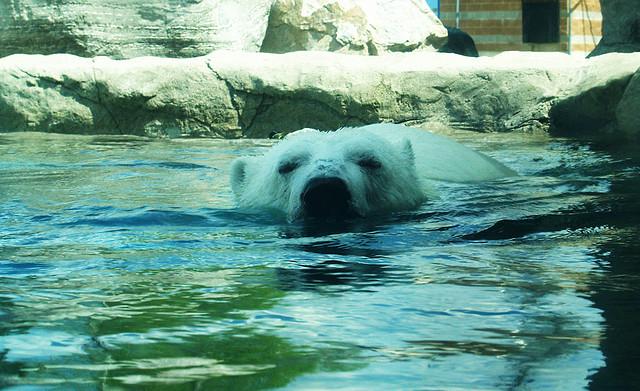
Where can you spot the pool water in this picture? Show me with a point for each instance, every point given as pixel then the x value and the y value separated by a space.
pixel 124 265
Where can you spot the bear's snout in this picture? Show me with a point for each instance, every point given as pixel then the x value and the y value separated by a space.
pixel 326 197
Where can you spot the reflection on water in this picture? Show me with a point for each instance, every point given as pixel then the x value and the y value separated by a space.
pixel 123 264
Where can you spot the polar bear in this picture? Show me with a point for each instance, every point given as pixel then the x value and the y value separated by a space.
pixel 355 172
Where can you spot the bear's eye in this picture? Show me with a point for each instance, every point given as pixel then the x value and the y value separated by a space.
pixel 369 163
pixel 287 167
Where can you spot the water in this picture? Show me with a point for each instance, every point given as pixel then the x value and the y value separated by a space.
pixel 123 265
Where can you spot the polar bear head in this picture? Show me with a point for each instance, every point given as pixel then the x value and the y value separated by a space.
pixel 342 174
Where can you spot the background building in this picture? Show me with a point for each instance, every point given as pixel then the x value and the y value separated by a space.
pixel 570 26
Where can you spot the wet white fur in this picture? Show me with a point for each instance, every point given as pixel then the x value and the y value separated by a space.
pixel 407 156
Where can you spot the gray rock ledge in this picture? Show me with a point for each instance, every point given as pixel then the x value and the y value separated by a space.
pixel 240 94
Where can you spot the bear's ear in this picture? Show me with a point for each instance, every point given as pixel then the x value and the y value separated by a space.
pixel 239 174
pixel 407 150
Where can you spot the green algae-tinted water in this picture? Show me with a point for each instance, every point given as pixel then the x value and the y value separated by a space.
pixel 124 265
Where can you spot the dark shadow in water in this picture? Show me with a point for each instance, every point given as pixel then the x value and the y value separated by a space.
pixel 327 227
pixel 339 276
pixel 572 220
pixel 344 248
pixel 313 228
pixel 617 293
pixel 357 240
pixel 371 238
pixel 618 296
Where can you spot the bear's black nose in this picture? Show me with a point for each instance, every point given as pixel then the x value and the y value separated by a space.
pixel 326 197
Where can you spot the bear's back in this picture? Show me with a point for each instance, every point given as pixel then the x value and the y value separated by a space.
pixel 440 158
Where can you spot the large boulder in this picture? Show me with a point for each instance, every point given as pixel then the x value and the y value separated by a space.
pixel 144 96
pixel 363 27
pixel 132 28
pixel 231 94
pixel 601 101
pixel 627 117
pixel 620 27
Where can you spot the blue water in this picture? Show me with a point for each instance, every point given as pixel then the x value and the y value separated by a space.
pixel 124 265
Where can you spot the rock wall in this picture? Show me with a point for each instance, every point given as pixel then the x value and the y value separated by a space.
pixel 620 27
pixel 242 93
pixel 602 100
pixel 231 94
pixel 234 95
pixel 132 28
pixel 145 96
pixel 192 28
pixel 349 26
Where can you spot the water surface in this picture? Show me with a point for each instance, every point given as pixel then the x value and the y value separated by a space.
pixel 124 265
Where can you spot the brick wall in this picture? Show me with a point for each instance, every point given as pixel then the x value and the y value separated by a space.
pixel 496 25
pixel 586 25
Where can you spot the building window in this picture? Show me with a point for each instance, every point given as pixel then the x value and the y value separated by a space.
pixel 540 21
